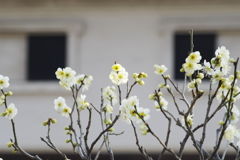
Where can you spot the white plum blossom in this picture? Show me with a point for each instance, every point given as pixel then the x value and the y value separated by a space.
pixel 223 54
pixel 231 132
pixel 235 114
pixel 68 74
pixel 216 76
pixel 191 85
pixel 79 79
pixel 133 101
pixel 160 70
pixel 129 109
pixel 117 67
pixel 207 69
pixel 61 107
pixel 4 82
pixel 189 121
pixel 194 57
pixel 119 76
pixel 109 95
pixel 189 67
pixel 11 111
pixel 68 79
pixel 236 91
pixel 87 82
pixel 82 104
pixel 225 86
pixel 1 102
pixel 225 68
pixel 59 104
pixel 163 104
pixel 59 73
pixel 143 128
pixel 108 109
pixel 144 113
pixel 67 84
pixel 191 63
pixel 66 111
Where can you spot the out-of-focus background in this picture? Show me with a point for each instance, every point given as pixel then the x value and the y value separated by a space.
pixel 37 37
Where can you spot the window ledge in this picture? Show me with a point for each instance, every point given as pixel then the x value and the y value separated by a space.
pixel 37 87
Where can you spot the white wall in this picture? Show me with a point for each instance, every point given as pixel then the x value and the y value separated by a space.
pixel 136 38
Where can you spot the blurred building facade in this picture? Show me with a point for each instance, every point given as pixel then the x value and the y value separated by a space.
pixel 93 35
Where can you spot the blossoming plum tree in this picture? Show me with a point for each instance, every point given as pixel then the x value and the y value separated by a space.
pixel 218 71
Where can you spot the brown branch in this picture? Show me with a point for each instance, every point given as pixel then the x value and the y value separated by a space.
pixel 140 148
pixel 128 93
pixel 87 131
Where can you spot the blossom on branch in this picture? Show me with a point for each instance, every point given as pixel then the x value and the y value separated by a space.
pixel 4 82
pixel 119 75
pixel 160 70
pixel 10 112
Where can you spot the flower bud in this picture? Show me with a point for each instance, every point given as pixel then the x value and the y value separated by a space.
pixel 141 82
pixel 232 60
pixel 144 132
pixel 2 97
pixel 86 104
pixel 75 144
pixel 151 96
pixel 140 75
pixel 1 102
pixel 221 122
pixel 188 74
pixel 223 80
pixel 9 93
pixel 66 128
pixel 3 114
pixel 68 132
pixel 200 75
pixel 167 76
pixel 107 121
pixel 200 92
pixel 9 144
pixel 111 129
pixel 144 75
pixel 135 75
pixel 238 75
pixel 159 93
pixel 167 86
pixel 68 140
pixel 53 120
pixel 219 57
pixel 161 85
pixel 137 79
pixel 182 70
pixel 14 151
pixel 44 123
pixel 198 81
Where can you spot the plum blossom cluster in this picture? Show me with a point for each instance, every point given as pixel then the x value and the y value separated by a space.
pixel 218 70
pixel 68 79
pixel 138 77
pixel 10 110
pixel 118 75
pixel 130 111
pixel 61 107
pixel 109 99
pixel 81 103
pixel 159 101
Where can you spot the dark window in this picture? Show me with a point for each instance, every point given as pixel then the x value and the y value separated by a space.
pixel 204 43
pixel 45 54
